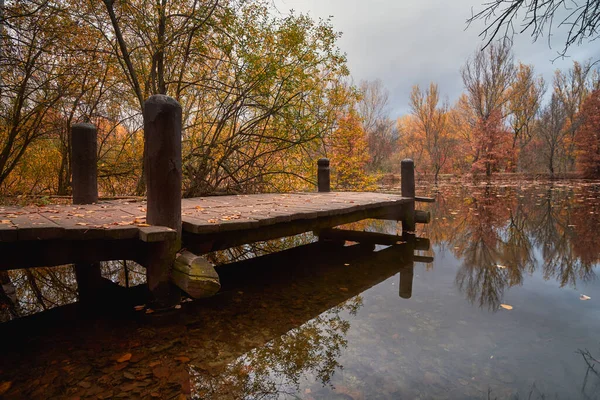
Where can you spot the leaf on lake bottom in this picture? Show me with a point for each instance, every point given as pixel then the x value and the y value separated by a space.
pixel 124 357
pixel 4 387
pixel 506 306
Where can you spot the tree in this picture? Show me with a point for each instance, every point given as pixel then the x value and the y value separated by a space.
pixel 572 88
pixel 349 156
pixel 505 18
pixel 551 128
pixel 487 78
pixel 588 137
pixel 525 97
pixel 433 122
pixel 381 133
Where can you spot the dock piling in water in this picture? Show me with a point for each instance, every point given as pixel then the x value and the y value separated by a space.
pixel 407 177
pixel 84 162
pixel 162 139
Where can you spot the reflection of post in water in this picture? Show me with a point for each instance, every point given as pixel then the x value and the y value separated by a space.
pixel 404 246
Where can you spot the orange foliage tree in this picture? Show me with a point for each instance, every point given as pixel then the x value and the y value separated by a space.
pixel 349 154
pixel 588 137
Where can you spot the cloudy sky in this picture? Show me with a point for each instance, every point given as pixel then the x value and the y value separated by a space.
pixel 408 42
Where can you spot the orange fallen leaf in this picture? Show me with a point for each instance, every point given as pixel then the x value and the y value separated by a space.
pixel 4 387
pixel 183 359
pixel 124 357
pixel 5 221
pixel 81 223
pixel 140 307
pixel 143 225
pixel 506 306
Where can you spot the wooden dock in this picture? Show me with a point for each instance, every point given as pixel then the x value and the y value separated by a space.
pixel 156 231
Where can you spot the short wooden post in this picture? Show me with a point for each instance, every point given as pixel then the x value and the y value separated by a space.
pixel 162 138
pixel 84 164
pixel 407 176
pixel 323 175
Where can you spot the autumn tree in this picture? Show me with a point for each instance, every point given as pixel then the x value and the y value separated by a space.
pixel 551 129
pixel 432 119
pixel 588 137
pixel 348 154
pixel 524 101
pixel 372 108
pixel 572 87
pixel 488 77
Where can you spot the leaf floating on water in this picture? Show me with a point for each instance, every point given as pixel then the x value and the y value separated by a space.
pixel 501 266
pixel 584 297
pixel 124 357
pixel 178 306
pixel 344 289
pixel 347 265
pixel 506 306
pixel 149 311
pixel 140 307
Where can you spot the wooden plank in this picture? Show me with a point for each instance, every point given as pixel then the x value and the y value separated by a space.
pixel 152 234
pixel 420 199
pixel 34 226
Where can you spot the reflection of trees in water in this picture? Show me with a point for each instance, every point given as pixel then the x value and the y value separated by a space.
pixel 247 251
pixel 274 369
pixel 28 291
pixel 487 226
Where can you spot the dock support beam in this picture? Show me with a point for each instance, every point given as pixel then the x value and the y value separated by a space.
pixel 323 175
pixel 84 162
pixel 162 140
pixel 407 176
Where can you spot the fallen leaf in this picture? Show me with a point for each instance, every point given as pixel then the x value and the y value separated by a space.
pixel 139 308
pixel 501 266
pixel 584 297
pixel 5 221
pixel 183 359
pixel 346 264
pixel 506 306
pixel 344 289
pixel 4 387
pixel 143 225
pixel 178 306
pixel 81 223
pixel 154 364
pixel 124 357
pixel 149 311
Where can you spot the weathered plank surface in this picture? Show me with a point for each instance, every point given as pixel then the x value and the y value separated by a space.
pixel 120 219
pixel 209 223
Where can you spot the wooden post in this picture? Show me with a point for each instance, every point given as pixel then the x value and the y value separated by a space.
pixel 406 282
pixel 162 139
pixel 407 176
pixel 323 175
pixel 84 163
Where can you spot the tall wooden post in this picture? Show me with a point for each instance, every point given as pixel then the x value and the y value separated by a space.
pixel 162 138
pixel 407 176
pixel 84 164
pixel 323 175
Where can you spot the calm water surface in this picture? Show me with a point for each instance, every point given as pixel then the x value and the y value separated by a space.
pixel 324 322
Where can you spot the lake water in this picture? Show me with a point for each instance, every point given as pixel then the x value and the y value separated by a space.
pixel 499 313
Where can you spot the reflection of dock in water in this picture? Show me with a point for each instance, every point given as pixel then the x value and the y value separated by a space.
pixel 262 300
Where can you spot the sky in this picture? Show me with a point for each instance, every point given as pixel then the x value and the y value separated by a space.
pixel 408 42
